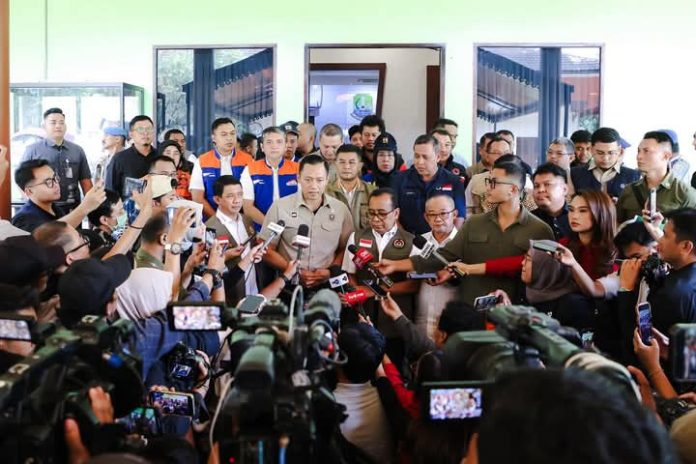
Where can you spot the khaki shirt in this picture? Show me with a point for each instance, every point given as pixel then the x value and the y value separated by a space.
pixel 671 194
pixel 145 259
pixel 329 229
pixel 357 205
pixel 481 239
pixel 477 168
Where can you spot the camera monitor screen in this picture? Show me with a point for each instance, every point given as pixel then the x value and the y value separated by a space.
pixel 196 317
pixel 455 403
pixel 179 404
pixel 15 329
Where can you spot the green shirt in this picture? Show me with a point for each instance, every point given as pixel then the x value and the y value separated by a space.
pixel 145 259
pixel 481 239
pixel 357 204
pixel 671 194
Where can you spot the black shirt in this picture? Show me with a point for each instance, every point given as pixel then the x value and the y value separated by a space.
pixel 127 163
pixel 31 216
pixel 675 301
pixel 558 224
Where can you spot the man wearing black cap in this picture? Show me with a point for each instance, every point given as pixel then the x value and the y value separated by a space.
pixel 67 159
pixel 292 134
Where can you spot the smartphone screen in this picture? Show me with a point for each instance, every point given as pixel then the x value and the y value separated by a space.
pixel 376 289
pixel 455 403
pixel 195 317
pixel 15 329
pixel 426 275
pixel 251 304
pixel 484 303
pixel 645 322
pixel 172 403
pixel 131 185
pixel 142 421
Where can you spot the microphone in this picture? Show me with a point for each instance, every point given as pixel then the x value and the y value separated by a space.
pixel 431 250
pixel 301 241
pixel 357 297
pixel 276 229
pixel 339 279
pixel 363 259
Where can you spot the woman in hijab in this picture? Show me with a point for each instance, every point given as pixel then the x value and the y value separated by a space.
pixel 146 292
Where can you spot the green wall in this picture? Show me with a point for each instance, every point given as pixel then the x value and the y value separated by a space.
pixel 648 72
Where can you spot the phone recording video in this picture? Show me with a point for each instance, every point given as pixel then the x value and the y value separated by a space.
pixel 172 403
pixel 142 421
pixel 462 402
pixel 189 316
pixel 15 328
pixel 645 322
pixel 486 302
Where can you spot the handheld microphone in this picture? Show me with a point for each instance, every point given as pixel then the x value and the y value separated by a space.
pixel 276 229
pixel 422 243
pixel 339 280
pixel 363 259
pixel 301 241
pixel 357 297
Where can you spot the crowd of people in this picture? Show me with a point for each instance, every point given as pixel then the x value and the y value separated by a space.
pixel 581 237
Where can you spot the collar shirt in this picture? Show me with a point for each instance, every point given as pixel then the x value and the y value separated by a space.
pixel 603 177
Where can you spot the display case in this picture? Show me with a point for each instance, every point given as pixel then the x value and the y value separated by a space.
pixel 88 109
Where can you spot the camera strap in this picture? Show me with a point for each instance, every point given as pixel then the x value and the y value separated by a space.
pixel 639 195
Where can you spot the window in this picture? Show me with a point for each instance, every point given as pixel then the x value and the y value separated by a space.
pixel 538 93
pixel 197 85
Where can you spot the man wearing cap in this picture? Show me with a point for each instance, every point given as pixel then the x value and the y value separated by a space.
pixel 37 179
pixel 67 159
pixel 605 171
pixel 306 137
pixel 113 141
pixel 223 159
pixel 133 161
pixel 266 180
pixel 422 180
pixel 349 187
pixel 329 221
pixel 292 134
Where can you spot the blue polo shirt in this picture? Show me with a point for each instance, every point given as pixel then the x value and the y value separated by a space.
pixel 412 192
pixel 30 216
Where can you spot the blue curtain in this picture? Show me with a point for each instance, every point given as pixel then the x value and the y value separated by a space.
pixel 550 98
pixel 202 99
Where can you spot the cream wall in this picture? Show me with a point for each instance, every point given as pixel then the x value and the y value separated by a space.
pixel 648 73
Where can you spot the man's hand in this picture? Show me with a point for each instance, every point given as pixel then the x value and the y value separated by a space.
pixel 233 253
pixel 503 298
pixel 386 266
pixel 216 258
pixel 653 225
pixel 94 198
pixel 77 451
pixel 101 405
pixel 648 355
pixel 314 278
pixel 254 256
pixel 628 276
pixel 143 200
pixel 644 388
pixel 390 307
pixel 291 269
pixel 443 275
pixel 196 258
pixel 183 218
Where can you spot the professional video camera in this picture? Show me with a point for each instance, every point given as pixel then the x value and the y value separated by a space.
pixel 523 337
pixel 41 390
pixel 654 271
pixel 275 402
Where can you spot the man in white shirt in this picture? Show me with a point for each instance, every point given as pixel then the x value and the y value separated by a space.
pixel 440 214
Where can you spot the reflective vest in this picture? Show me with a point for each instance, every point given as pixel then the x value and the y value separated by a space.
pixel 210 167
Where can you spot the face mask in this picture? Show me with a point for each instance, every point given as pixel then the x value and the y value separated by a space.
pixel 120 227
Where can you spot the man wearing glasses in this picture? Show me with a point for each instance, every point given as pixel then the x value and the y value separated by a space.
pixel 605 171
pixel 41 186
pixel 133 161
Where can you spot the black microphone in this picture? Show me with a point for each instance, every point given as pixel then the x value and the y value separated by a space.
pixel 428 250
pixel 301 241
pixel 276 229
pixel 363 259
pixel 339 280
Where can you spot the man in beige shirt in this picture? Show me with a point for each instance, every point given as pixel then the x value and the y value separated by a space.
pixel 329 221
pixel 349 187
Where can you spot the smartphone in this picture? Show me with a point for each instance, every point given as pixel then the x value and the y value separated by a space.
pixel 131 185
pixel 453 401
pixel 653 203
pixel 14 327
pixel 209 238
pixel 645 322
pixel 195 316
pixel 486 302
pixel 548 246
pixel 425 275
pixel 99 173
pixel 587 338
pixel 683 352
pixel 251 304
pixel 172 403
pixel 374 286
pixel 142 421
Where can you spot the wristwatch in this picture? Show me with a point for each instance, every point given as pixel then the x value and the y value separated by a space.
pixel 217 277
pixel 173 248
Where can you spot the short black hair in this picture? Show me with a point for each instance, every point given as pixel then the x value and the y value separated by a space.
pixel 105 209
pixel 51 111
pixel 605 135
pixel 578 417
pixel 684 224
pixel 497 138
pixel 364 345
pixel 166 144
pixel 223 181
pixel 14 298
pixel 219 122
pixel 513 170
pixel 425 139
pixel 137 119
pixel 459 316
pixel 25 172
pixel 550 168
pixel 313 159
pixel 485 137
pixel 53 233
pixel 154 228
pixel 272 130
pixel 506 132
pixel 660 137
pixel 158 158
pixel 385 191
pixel 245 141
pixel 170 132
pixel 634 232
pixel 442 122
pixel 581 136
pixel 349 148
pixel 372 121
pixel 353 130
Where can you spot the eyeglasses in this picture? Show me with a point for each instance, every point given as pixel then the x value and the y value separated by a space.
pixel 442 215
pixel 85 242
pixel 492 182
pixel 50 183
pixel 371 213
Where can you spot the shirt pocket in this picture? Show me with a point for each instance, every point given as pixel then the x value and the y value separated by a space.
pixel 477 236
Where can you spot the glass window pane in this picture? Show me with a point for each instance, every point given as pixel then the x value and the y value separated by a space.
pixel 580 69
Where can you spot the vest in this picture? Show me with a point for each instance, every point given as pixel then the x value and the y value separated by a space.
pixel 398 248
pixel 262 178
pixel 210 167
pixel 584 179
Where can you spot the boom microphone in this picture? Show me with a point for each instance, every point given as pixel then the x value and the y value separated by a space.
pixel 428 250
pixel 363 259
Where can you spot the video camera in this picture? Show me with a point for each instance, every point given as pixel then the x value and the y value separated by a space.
pixel 41 390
